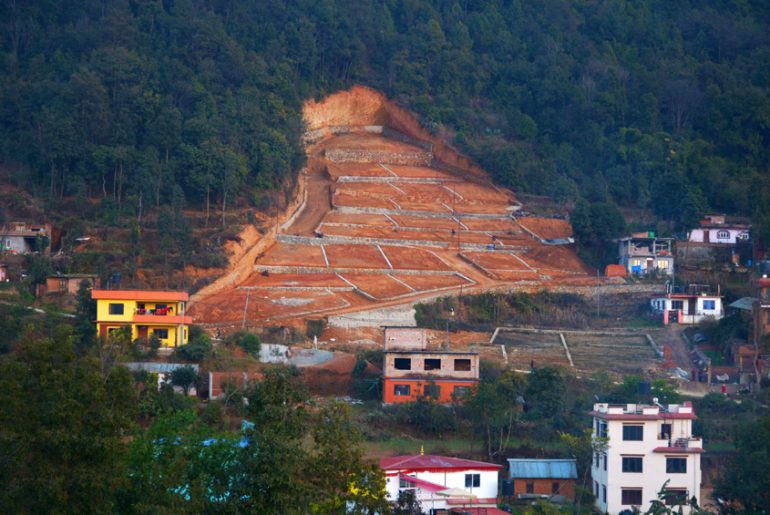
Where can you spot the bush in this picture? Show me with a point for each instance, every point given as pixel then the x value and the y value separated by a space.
pixel 197 348
pixel 247 341
pixel 315 328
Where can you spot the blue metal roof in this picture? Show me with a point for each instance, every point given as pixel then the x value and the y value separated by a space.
pixel 542 469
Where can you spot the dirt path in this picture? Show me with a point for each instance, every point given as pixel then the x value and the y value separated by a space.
pixel 679 352
pixel 318 204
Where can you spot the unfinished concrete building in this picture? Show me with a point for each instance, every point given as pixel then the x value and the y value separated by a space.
pixel 411 370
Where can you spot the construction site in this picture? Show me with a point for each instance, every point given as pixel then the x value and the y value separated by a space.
pixel 386 215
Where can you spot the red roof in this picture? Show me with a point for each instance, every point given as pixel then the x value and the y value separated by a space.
pixel 429 462
pixel 482 511
pixel 422 484
pixel 149 295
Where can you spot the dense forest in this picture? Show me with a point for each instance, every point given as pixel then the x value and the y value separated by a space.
pixel 654 104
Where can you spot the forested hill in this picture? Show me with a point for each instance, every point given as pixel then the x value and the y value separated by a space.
pixel 659 103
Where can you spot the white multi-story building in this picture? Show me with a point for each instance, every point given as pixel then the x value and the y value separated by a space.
pixel 647 446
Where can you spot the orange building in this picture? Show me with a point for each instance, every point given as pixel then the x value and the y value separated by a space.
pixel 411 370
pixel 147 313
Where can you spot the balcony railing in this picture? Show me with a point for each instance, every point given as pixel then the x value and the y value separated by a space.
pixel 156 311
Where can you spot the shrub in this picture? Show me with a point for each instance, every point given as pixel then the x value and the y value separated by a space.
pixel 247 341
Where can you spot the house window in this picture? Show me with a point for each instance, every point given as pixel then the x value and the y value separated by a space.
pixel 631 497
pixel 530 487
pixel 116 309
pixel 604 494
pixel 604 457
pixel 723 235
pixel 665 431
pixel 633 433
pixel 676 465
pixel 462 365
pixel 603 430
pixel 404 482
pixel 662 264
pixel 636 262
pixel 554 488
pixel 677 304
pixel 596 489
pixel 632 464
pixel 596 460
pixel 460 392
pixel 402 390
pixel 161 333
pixel 709 304
pixel 432 364
pixel 472 480
pixel 675 496
pixel 402 364
pixel 432 390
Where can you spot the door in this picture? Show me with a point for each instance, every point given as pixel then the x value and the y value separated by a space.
pixel 707 236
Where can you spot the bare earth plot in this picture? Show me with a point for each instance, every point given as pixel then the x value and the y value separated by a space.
pixel 390 218
pixel 590 352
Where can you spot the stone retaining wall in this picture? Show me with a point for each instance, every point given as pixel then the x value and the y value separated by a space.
pixel 350 155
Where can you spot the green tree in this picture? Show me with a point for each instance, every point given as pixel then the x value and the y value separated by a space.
pixel 184 377
pixel 62 427
pixel 493 407
pixel 745 479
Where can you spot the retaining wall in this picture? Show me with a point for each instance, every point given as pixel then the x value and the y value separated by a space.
pixel 350 155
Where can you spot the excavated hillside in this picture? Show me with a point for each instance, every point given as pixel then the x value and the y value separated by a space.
pixel 387 215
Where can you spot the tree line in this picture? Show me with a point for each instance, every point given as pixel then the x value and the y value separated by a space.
pixel 660 105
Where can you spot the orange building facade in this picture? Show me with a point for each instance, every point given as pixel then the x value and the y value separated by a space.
pixel 412 371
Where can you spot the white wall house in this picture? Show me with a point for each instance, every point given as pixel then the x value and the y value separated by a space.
pixel 686 308
pixel 648 445
pixel 727 235
pixel 473 484
pixel 715 229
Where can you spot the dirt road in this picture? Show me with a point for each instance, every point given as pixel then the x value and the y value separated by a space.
pixel 680 354
pixel 318 204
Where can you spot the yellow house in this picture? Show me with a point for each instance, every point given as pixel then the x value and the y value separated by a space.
pixel 161 313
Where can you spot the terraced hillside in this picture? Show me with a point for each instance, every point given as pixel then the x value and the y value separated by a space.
pixel 391 216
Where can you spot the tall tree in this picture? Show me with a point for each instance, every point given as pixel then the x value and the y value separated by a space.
pixel 62 427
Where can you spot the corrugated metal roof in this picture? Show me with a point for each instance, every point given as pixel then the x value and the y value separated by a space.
pixel 158 368
pixel 744 303
pixel 542 469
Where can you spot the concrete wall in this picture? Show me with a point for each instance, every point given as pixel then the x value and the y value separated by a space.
pixel 448 365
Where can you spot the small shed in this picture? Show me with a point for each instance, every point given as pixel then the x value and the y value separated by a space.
pixel 542 477
pixel 69 284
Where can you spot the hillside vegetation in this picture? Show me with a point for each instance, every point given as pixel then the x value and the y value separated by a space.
pixel 134 103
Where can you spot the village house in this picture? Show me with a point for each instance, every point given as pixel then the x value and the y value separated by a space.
pixel 69 284
pixel 146 312
pixel 647 446
pixel 691 307
pixel 715 229
pixel 643 253
pixel 24 238
pixel 546 478
pixel 442 484
pixel 411 370
pixel 716 242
